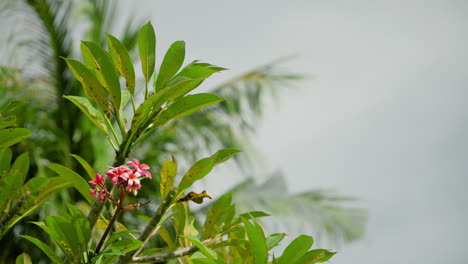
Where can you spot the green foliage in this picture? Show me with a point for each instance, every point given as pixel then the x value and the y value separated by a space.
pixel 18 197
pixel 161 111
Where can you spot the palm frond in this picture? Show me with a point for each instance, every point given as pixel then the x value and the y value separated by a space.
pixel 328 216
pixel 230 123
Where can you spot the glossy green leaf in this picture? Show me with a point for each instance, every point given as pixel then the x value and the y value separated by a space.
pixel 186 106
pixel 88 109
pixel 89 170
pixel 296 249
pixel 92 87
pixel 257 240
pixel 45 248
pixel 204 249
pixel 316 256
pixel 172 62
pixel 198 170
pixel 5 160
pixel 11 136
pixel 24 258
pixel 147 49
pixel 168 172
pixel 122 61
pixel 274 239
pixel 78 182
pixel 223 155
pixel 102 63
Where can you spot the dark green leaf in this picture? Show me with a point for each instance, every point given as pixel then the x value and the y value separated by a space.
pixel 5 160
pixel 122 61
pixel 7 122
pixel 11 106
pixel 102 63
pixel 11 136
pixel 45 248
pixel 78 182
pixel 89 170
pixel 172 62
pixel 147 49
pixel 88 109
pixel 93 88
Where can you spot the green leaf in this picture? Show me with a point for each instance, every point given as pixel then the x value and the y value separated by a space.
pixel 7 122
pixel 122 61
pixel 41 188
pixel 5 160
pixel 168 172
pixel 45 248
pixel 316 256
pixel 274 239
pixel 125 245
pixel 258 246
pixel 63 231
pixel 78 182
pixel 223 155
pixel 147 49
pixel 11 106
pixel 24 258
pixel 89 170
pixel 118 235
pixel 296 250
pixel 92 87
pixel 216 215
pixel 172 62
pixel 102 63
pixel 204 249
pixel 186 106
pixel 88 109
pixel 198 170
pixel 251 215
pixel 11 183
pixel 11 136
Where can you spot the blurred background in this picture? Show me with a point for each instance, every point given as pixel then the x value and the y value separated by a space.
pixel 362 143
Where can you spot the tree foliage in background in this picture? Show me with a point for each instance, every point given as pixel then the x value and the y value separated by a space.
pixel 40 32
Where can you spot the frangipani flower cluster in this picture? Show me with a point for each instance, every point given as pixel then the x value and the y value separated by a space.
pixel 125 177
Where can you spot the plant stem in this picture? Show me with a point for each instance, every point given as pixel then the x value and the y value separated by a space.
pixel 109 227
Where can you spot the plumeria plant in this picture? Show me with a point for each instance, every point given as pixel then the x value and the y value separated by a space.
pixel 172 234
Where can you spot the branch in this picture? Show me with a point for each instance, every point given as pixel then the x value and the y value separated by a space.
pixel 171 255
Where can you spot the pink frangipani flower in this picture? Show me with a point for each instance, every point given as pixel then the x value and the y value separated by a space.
pixel 142 169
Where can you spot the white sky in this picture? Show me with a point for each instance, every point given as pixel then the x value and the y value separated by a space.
pixel 385 118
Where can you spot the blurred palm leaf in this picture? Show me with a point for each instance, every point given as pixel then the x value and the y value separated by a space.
pixel 324 214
